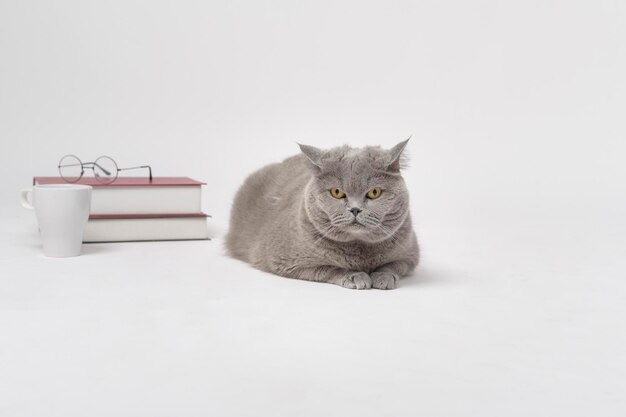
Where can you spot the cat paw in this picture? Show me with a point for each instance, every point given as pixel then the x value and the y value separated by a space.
pixel 357 281
pixel 384 280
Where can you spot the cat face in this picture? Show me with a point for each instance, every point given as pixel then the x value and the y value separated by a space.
pixel 356 194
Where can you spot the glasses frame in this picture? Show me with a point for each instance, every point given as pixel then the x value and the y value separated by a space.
pixel 94 164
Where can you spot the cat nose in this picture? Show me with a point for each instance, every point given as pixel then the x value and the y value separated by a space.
pixel 355 210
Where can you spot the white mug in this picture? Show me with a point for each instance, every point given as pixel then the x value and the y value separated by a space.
pixel 62 211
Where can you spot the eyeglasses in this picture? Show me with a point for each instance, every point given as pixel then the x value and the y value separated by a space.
pixel 104 169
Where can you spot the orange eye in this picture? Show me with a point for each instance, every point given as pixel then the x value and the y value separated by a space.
pixel 337 193
pixel 374 193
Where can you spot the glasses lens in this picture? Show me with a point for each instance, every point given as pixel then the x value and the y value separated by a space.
pixel 70 168
pixel 105 170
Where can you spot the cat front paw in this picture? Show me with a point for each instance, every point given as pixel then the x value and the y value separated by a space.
pixel 384 280
pixel 357 281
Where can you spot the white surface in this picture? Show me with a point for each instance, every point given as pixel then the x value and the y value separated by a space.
pixel 510 319
pixel 517 184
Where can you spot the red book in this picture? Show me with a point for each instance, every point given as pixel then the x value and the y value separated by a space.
pixel 124 181
pixel 140 195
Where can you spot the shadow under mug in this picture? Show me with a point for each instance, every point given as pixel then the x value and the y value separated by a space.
pixel 62 211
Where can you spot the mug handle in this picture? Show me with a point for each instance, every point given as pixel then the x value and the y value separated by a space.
pixel 24 198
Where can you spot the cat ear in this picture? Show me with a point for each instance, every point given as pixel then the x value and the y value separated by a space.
pixel 313 154
pixel 395 156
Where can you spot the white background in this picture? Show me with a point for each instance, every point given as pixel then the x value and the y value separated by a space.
pixel 517 182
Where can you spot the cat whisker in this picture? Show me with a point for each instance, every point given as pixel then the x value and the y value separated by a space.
pixel 370 220
pixel 341 220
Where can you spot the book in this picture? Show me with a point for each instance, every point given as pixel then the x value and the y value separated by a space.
pixel 140 195
pixel 145 227
pixel 142 209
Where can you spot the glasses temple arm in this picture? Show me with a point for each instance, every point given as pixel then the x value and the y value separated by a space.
pixel 143 166
pixel 72 165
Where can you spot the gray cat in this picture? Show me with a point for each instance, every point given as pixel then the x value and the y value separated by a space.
pixel 339 216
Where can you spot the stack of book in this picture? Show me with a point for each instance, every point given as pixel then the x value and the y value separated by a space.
pixel 140 209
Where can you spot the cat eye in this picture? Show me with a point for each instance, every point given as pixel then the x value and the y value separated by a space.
pixel 374 193
pixel 337 193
